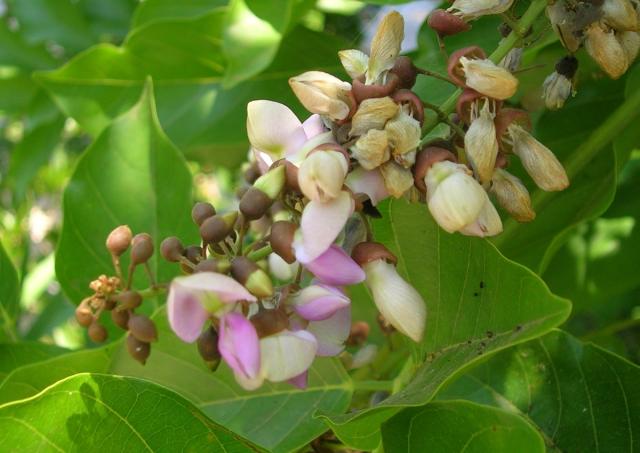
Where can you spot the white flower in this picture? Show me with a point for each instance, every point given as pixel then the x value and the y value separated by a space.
pixel 489 79
pixel 322 93
pixel 481 143
pixel 472 9
pixel 512 195
pixel 321 175
pixel 606 50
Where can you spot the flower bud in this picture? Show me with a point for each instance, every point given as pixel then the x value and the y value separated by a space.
pixel 355 62
pixel 248 274
pixel 606 50
pixel 630 42
pixel 397 179
pixel 120 318
pixel 208 348
pixel 511 61
pixel 372 114
pixel 512 195
pixel 556 89
pixel 372 149
pixel 119 239
pixel 269 321
pixel 446 24
pixel 272 182
pixel 398 301
pixel 97 332
pixel 481 144
pixel 84 315
pixel 280 269
pixel 364 356
pixel 202 211
pixel 319 302
pixel 129 300
pixel 171 249
pixel 619 14
pixel 142 328
pixel 141 248
pixel 541 164
pixel 323 93
pixel 406 72
pixel 472 9
pixel 487 224
pixel 217 228
pixel 213 265
pixel 281 240
pixel 424 161
pixel 321 175
pixel 487 78
pixel 385 46
pixel 563 22
pixel 137 349
pixel 454 198
pixel 254 204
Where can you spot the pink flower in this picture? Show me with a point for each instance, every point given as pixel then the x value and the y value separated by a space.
pixel 319 302
pixel 193 298
pixel 239 346
pixel 334 267
pixel 332 332
pixel 368 182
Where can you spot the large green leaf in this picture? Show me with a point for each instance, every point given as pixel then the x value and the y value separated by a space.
pixel 133 175
pixel 459 426
pixel 115 413
pixel 478 302
pixel 581 397
pixel 276 416
pixel 186 60
pixel 9 293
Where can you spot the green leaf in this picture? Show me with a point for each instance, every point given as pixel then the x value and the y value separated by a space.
pixel 185 59
pixel 581 397
pixel 114 412
pixel 178 366
pixel 9 292
pixel 457 426
pixel 133 175
pixel 15 355
pixel 15 51
pixel 157 10
pixel 478 302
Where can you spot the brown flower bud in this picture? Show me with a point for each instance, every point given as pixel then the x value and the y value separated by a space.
pixel 406 72
pixel 248 274
pixel 129 300
pixel 252 173
pixel 446 24
pixel 425 159
pixel 118 240
pixel 365 252
pixel 216 228
pixel 213 265
pixel 281 240
pixel 139 350
pixel 142 328
pixel 141 248
pixel 208 348
pixel 361 91
pixel 202 211
pixel 97 332
pixel 120 318
pixel 254 204
pixel 84 316
pixel 171 249
pixel 268 322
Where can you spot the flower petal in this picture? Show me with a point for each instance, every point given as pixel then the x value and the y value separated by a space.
pixel 287 354
pixel 239 345
pixel 335 267
pixel 332 333
pixel 313 126
pixel 369 182
pixel 300 380
pixel 273 128
pixel 319 302
pixel 186 313
pixel 320 225
pixel 227 289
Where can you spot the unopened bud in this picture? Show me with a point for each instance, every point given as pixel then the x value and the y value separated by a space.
pixel 281 240
pixel 139 350
pixel 221 266
pixel 446 24
pixel 142 328
pixel 481 144
pixel 630 42
pixel 84 315
pixel 425 159
pixel 208 348
pixel 171 249
pixel 193 254
pixel 118 240
pixel 141 248
pixel 217 228
pixel 248 274
pixel 487 78
pixel 620 14
pixel 556 89
pixel 120 318
pixel 272 182
pixel 97 332
pixel 323 93
pixel 251 173
pixel 606 50
pixel 472 9
pixel 254 204
pixel 321 175
pixel 202 211
pixel 512 195
pixel 365 252
pixel 268 322
pixel 129 300
pixel 406 72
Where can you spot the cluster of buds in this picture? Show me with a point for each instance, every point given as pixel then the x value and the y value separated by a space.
pixel 608 30
pixel 112 294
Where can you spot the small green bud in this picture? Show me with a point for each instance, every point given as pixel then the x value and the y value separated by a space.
pixel 272 182
pixel 247 273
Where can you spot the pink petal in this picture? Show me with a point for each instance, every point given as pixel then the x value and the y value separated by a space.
pixel 334 267
pixel 368 182
pixel 319 302
pixel 332 333
pixel 313 126
pixel 239 345
pixel 226 289
pixel 300 380
pixel 321 224
pixel 186 314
